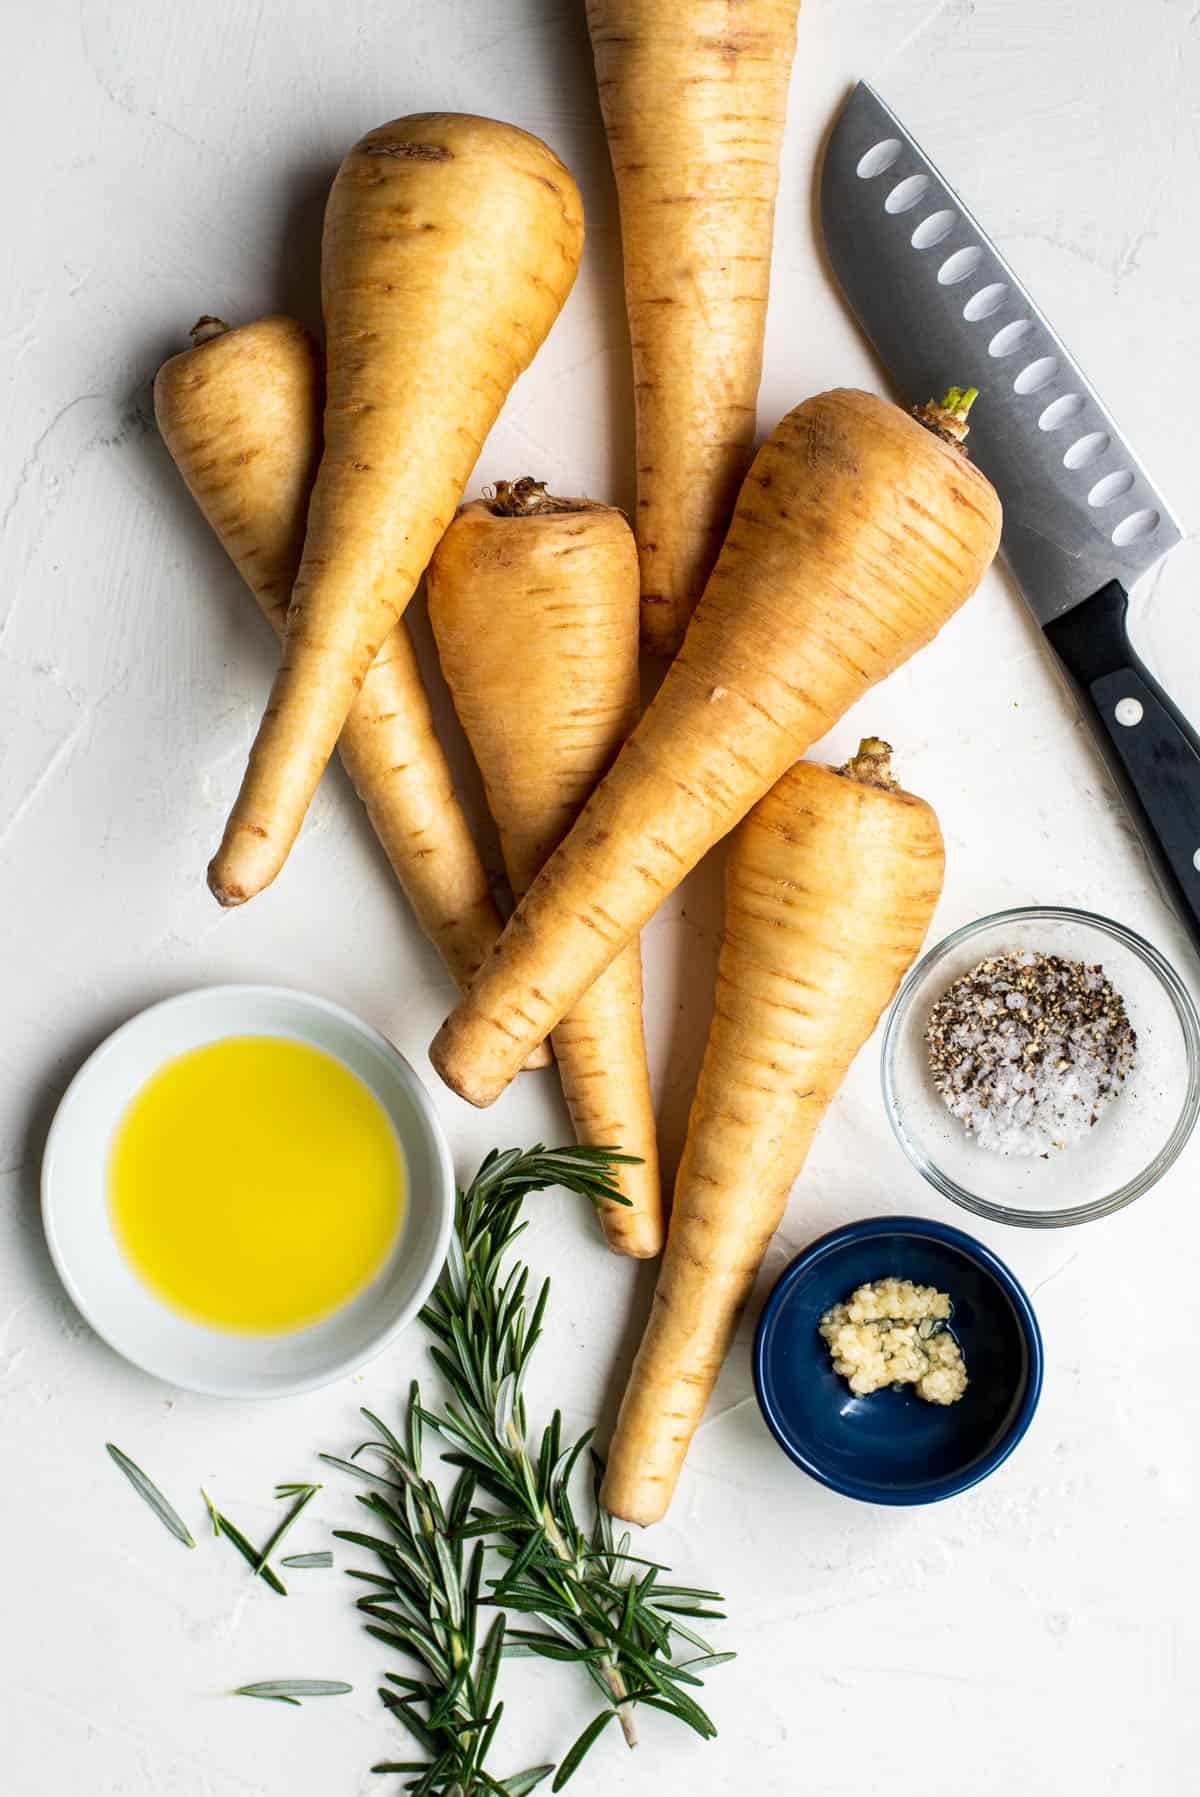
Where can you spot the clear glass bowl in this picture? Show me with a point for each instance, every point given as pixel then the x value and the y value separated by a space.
pixel 1135 1140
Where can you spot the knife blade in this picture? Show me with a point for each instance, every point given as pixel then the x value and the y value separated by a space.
pixel 1082 518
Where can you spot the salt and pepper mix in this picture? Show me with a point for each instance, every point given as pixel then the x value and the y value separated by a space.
pixel 1029 1050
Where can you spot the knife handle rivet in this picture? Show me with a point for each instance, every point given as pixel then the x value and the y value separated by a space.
pixel 1128 712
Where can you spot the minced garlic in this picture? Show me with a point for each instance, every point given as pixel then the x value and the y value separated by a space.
pixel 893 1332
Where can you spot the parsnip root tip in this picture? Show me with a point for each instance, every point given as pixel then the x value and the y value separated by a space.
pixel 227 896
pixel 442 1057
pixel 634 1251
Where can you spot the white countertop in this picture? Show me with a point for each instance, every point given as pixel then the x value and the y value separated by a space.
pixel 165 160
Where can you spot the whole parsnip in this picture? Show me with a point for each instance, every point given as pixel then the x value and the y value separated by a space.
pixel 694 97
pixel 534 606
pixel 450 245
pixel 830 885
pixel 240 412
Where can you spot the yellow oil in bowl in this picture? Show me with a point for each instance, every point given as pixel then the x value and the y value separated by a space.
pixel 255 1184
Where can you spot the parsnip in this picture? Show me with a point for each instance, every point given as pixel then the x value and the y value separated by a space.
pixel 694 98
pixel 830 885
pixel 240 413
pixel 534 606
pixel 858 532
pixel 450 245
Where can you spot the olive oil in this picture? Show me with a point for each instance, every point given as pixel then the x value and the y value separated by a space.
pixel 255 1184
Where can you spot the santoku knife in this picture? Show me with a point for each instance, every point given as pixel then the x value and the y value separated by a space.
pixel 1082 519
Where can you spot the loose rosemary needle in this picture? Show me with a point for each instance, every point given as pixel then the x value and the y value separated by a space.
pixel 221 1525
pixel 303 1495
pixel 146 1489
pixel 293 1690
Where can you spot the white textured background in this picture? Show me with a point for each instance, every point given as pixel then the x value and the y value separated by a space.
pixel 162 159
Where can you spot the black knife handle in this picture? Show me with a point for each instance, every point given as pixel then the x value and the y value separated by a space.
pixel 1151 749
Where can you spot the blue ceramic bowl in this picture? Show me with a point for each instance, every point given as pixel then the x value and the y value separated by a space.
pixel 892 1447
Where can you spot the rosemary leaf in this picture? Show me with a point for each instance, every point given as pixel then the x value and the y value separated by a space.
pixel 543 1648
pixel 223 1526
pixel 681 1706
pixel 303 1495
pixel 696 1610
pixel 707 1661
pixel 408 1718
pixel 249 1554
pixel 389 1440
pixel 523 1782
pixel 147 1490
pixel 373 1543
pixel 486 1522
pixel 308 1562
pixel 489 1664
pixel 214 1516
pixel 406 1641
pixel 293 1690
pixel 358 1472
pixel 692 1593
pixel 692 1639
pixel 450 1584
pixel 571 1760
pixel 512 1578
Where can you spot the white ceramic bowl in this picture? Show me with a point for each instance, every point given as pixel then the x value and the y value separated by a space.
pixel 126 1313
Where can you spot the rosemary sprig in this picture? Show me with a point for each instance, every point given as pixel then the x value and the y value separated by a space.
pixel 427 1604
pixel 598 1605
pixel 146 1489
pixel 596 1609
